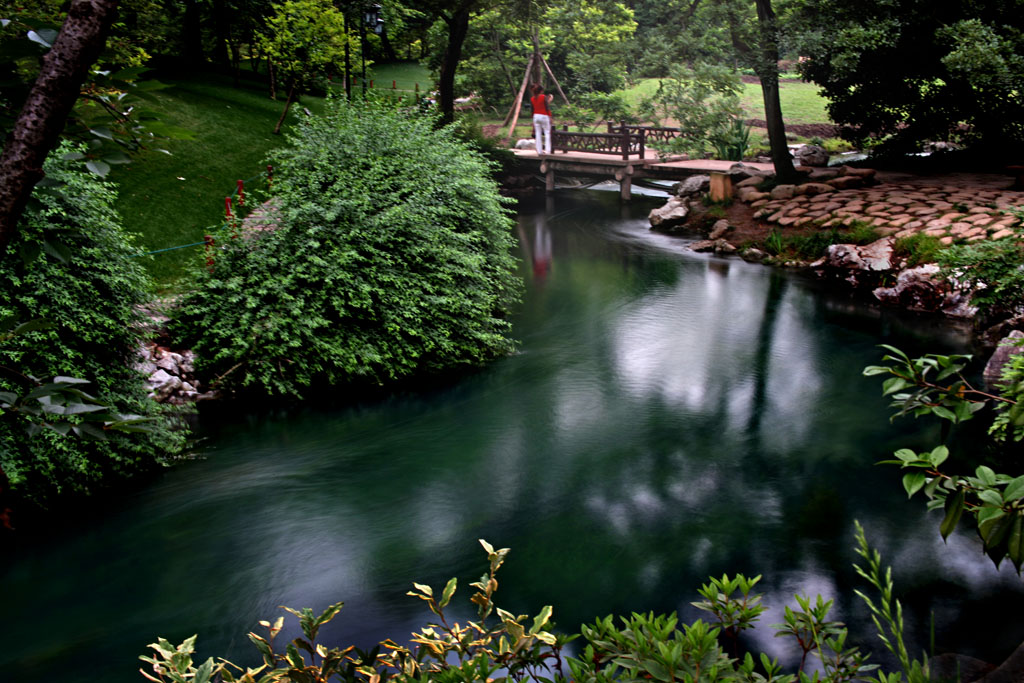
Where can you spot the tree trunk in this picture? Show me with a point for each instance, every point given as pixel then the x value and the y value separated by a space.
pixel 236 63
pixel 501 61
pixel 538 69
pixel 458 26
pixel 49 102
pixel 781 157
pixel 191 34
pixel 386 46
pixel 767 63
pixel 287 105
pixel 220 32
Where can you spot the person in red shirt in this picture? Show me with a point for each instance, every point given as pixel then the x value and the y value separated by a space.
pixel 541 118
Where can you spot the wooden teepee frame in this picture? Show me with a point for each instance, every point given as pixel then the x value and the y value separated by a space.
pixel 535 59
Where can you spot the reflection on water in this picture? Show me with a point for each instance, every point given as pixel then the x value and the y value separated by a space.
pixel 669 416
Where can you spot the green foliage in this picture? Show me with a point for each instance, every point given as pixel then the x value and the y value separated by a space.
pixel 731 140
pixel 72 264
pixel 815 244
pixel 917 249
pixel 641 647
pixel 704 100
pixel 991 268
pixel 595 108
pixel 904 72
pixel 391 257
pixel 173 663
pixel 591 39
pixel 1005 426
pixel 934 385
pixel 887 614
pixel 60 405
pixel 305 38
pixel 109 116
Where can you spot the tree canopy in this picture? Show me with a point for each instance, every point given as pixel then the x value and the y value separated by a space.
pixel 905 71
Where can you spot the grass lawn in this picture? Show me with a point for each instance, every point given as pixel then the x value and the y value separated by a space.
pixel 801 102
pixel 404 75
pixel 173 200
pixel 176 199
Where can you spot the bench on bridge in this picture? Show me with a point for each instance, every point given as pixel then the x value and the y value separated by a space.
pixel 621 140
pixel 620 144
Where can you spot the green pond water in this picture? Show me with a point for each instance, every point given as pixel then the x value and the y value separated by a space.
pixel 670 416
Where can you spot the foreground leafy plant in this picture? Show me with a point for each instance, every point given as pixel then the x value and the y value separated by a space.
pixel 644 647
pixel 934 385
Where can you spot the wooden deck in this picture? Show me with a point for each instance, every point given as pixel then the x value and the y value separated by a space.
pixel 650 165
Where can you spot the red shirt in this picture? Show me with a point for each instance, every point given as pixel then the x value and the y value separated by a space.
pixel 540 104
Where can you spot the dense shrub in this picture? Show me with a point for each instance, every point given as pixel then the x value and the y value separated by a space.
pixel 391 257
pixel 992 269
pixel 72 264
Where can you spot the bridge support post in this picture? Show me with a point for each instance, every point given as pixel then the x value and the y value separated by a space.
pixel 625 178
pixel 549 176
pixel 721 187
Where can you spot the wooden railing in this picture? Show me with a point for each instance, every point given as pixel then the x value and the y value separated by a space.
pixel 620 140
pixel 650 133
pixel 620 143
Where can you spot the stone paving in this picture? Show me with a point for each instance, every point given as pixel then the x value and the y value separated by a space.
pixel 951 211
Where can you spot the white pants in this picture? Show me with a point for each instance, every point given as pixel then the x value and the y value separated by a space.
pixel 542 132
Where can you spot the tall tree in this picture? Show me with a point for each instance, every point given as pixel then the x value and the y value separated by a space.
pixel 38 127
pixel 455 16
pixel 304 38
pixel 762 55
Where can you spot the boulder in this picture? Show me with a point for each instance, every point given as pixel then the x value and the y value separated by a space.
pixel 954 667
pixel 845 182
pixel 1008 347
pixel 917 289
pixel 940 146
pixel 169 362
pixel 165 391
pixel 823 174
pixel 718 229
pixel 991 336
pixel 859 266
pixel 672 214
pixel 719 246
pixel 740 171
pixel 753 254
pixel 1010 671
pixel 160 377
pixel 864 173
pixel 783 192
pixel 751 194
pixel 811 189
pixel 811 155
pixel 695 184
pixel 752 181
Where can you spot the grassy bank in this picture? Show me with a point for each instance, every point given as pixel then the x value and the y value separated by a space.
pixel 176 199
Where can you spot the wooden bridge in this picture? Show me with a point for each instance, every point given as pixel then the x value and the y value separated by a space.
pixel 623 154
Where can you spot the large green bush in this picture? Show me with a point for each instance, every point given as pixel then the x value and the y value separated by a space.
pixel 391 257
pixel 73 265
